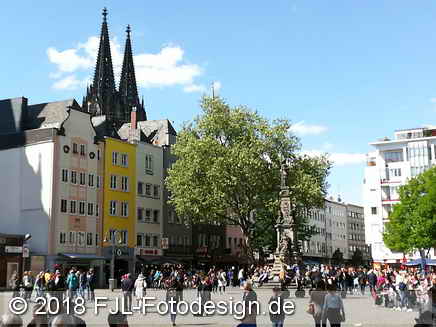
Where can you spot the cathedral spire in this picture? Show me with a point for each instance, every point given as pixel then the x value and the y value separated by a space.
pixel 104 83
pixel 128 89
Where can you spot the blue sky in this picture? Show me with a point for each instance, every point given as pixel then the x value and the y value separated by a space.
pixel 346 72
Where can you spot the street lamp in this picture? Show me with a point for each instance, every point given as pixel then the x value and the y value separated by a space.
pixel 111 237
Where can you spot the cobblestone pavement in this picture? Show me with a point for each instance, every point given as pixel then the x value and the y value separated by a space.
pixel 360 311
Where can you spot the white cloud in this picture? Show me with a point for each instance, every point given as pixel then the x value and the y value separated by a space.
pixel 69 82
pixel 340 159
pixel 301 128
pixel 194 88
pixel 216 86
pixel 433 100
pixel 165 68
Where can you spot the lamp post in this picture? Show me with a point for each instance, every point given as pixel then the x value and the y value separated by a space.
pixel 111 237
pixel 25 239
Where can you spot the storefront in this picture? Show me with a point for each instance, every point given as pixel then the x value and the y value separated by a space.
pixel 84 262
pixel 11 257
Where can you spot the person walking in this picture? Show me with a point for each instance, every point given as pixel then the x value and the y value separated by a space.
pixel 14 284
pixel 316 302
pixel 276 305
pixel 72 284
pixel 249 299
pixel 40 284
pixel 127 286
pixel 173 296
pixel 91 281
pixel 333 308
pixel 140 289
pixel 222 282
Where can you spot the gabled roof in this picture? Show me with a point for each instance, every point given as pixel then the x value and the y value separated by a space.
pixel 102 127
pixel 151 130
pixel 49 114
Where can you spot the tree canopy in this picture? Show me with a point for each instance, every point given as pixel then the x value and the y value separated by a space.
pixel 228 170
pixel 412 223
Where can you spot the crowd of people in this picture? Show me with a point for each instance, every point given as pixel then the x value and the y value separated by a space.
pixel 403 289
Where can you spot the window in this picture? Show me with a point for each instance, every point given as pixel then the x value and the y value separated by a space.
pixel 64 205
pixel 81 208
pixel 114 158
pixel 113 182
pixel 65 175
pixel 90 209
pixel 96 239
pixel 73 177
pixel 75 148
pixel 98 154
pixel 156 191
pixel 140 214
pixel 149 164
pixel 113 208
pixel 82 150
pixel 394 156
pixel 373 210
pixel 123 237
pixel 155 241
pixel 98 181
pixel 88 239
pixel 125 183
pixel 62 238
pixel 140 188
pixel 148 189
pixel 139 239
pixel 124 209
pixel 72 238
pixel 73 207
pixel 156 216
pixel 147 242
pixel 80 238
pixel 170 216
pixel 91 180
pixel 147 215
pixel 124 160
pixel 97 210
pixel 82 179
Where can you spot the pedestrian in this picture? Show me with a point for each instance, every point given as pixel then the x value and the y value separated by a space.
pixel 14 284
pixel 117 320
pixel 11 320
pixel 250 305
pixel 173 296
pixel 222 282
pixel 38 319
pixel 82 283
pixel 333 308
pixel 67 320
pixel 140 289
pixel 72 284
pixel 316 303
pixel 91 282
pixel 127 286
pixel 40 284
pixel 276 306
pixel 27 284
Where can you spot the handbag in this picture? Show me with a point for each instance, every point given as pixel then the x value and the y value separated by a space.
pixel 311 309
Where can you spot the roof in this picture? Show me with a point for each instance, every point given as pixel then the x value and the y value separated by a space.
pixel 49 114
pixel 12 114
pixel 102 127
pixel 151 130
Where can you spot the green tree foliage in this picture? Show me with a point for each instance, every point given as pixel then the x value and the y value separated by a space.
pixel 228 170
pixel 357 258
pixel 412 223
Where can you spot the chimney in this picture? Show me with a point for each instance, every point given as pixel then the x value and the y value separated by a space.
pixel 133 121
pixel 134 134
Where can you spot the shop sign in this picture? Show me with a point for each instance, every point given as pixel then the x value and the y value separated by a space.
pixel 150 252
pixel 13 249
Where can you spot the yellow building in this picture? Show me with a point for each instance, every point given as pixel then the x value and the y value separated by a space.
pixel 119 203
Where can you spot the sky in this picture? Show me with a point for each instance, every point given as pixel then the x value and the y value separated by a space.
pixel 345 72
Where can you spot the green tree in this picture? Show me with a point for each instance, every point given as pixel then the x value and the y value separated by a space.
pixel 228 170
pixel 412 223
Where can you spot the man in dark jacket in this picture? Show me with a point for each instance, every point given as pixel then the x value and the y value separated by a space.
pixel 372 281
pixel 277 313
pixel 91 283
pixel 127 286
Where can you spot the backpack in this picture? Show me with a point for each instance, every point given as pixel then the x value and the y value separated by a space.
pixel 402 286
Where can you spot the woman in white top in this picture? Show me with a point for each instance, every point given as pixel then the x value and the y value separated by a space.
pixel 333 309
pixel 140 288
pixel 222 281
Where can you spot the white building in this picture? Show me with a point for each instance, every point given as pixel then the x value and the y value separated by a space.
pixel 49 172
pixel 391 165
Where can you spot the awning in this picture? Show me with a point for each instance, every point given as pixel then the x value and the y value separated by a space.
pixel 150 260
pixel 418 262
pixel 81 256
